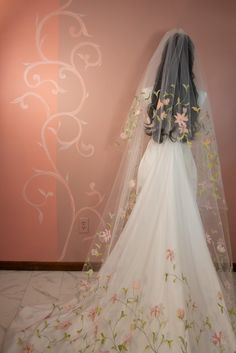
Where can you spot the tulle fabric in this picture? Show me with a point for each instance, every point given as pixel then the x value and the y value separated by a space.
pixel 132 142
pixel 162 247
pixel 158 290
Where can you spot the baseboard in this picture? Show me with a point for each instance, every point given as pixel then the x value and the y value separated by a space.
pixel 49 266
pixel 41 266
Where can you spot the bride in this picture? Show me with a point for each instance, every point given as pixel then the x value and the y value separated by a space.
pixel 165 282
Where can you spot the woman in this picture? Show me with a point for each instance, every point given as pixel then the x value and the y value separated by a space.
pixel 162 238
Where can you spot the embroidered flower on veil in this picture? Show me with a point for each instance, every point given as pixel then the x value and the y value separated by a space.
pixel 105 236
pixel 157 310
pixel 160 103
pixel 181 119
pixel 29 348
pixel 217 338
pixel 180 313
pixel 170 254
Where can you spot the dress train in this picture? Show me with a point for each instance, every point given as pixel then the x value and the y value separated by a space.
pixel 158 290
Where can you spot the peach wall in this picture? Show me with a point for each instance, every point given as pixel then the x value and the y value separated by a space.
pixel 120 40
pixel 22 236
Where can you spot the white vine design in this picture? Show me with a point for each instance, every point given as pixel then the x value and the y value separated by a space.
pixel 34 80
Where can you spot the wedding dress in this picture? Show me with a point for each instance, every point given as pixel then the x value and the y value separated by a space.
pixel 158 289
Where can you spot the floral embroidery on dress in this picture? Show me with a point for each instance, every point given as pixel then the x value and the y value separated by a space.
pixel 126 310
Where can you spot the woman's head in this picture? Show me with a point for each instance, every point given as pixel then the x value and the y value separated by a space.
pixel 174 93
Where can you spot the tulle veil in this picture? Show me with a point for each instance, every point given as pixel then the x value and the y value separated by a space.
pixel 132 141
pixel 135 307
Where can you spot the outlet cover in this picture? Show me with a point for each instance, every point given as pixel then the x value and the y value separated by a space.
pixel 83 225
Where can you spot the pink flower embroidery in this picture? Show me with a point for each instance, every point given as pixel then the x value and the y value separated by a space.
pixel 29 348
pixel 170 255
pixel 114 298
pixel 84 284
pixel 136 285
pixel 94 312
pixel 183 129
pixel 159 104
pixel 180 313
pixel 217 338
pixel 105 236
pixel 180 119
pixel 64 325
pixel 156 310
pixel 166 101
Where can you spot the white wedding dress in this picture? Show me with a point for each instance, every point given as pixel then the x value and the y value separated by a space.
pixel 158 291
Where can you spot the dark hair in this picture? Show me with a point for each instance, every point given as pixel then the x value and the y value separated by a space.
pixel 179 92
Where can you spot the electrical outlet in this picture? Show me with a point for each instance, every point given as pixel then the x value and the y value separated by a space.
pixel 83 225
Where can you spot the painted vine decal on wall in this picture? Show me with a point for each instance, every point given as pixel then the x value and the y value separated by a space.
pixel 34 80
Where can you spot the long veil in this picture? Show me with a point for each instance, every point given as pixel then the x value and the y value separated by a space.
pixel 146 294
pixel 193 125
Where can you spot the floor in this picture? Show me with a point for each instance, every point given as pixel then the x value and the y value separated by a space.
pixel 19 288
